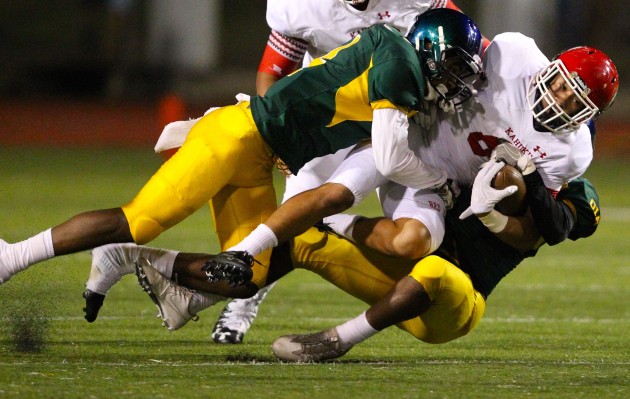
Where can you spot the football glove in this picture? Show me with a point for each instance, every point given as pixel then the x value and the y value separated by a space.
pixel 484 197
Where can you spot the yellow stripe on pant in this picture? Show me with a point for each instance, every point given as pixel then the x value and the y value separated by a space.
pixel 225 162
pixel 367 275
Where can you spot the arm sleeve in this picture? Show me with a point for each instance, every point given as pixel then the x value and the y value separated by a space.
pixel 392 155
pixel 552 217
pixel 282 54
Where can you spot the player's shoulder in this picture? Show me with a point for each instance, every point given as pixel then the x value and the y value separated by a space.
pixel 294 18
pixel 579 155
pixel 513 54
pixel 582 151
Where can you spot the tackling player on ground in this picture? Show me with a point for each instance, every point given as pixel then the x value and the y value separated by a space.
pixel 301 31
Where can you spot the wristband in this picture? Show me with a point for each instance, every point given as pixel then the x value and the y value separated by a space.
pixel 494 221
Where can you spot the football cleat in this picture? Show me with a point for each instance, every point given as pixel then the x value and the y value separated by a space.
pixel 171 299
pixel 316 347
pixel 237 317
pixel 235 267
pixel 93 303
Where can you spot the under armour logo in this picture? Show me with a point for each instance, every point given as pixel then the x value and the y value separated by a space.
pixel 542 154
pixel 384 15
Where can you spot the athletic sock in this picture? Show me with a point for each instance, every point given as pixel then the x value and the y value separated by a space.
pixel 111 262
pixel 355 331
pixel 17 257
pixel 259 240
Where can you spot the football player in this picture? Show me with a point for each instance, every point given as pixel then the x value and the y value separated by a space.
pixel 301 31
pixel 350 94
pixel 309 29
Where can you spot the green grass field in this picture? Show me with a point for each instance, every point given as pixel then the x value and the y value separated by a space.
pixel 558 326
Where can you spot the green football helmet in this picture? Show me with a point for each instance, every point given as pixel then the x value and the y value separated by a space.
pixel 449 45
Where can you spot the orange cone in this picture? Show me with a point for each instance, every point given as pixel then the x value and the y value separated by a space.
pixel 171 108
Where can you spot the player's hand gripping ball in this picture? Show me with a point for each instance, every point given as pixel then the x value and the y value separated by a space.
pixel 515 204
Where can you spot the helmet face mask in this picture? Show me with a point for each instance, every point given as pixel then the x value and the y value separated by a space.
pixel 589 74
pixel 452 73
pixel 546 110
pixel 449 44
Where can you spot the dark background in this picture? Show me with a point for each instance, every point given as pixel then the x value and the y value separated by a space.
pixel 78 53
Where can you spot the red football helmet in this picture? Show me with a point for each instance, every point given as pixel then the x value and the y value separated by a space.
pixel 591 75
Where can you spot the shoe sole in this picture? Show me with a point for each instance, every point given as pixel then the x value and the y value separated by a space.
pixel 235 274
pixel 93 303
pixel 143 281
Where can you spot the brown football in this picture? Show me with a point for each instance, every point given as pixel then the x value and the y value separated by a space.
pixel 513 205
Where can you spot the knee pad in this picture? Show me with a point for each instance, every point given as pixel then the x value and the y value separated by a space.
pixel 143 229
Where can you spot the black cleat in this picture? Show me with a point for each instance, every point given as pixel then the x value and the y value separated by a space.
pixel 235 267
pixel 93 303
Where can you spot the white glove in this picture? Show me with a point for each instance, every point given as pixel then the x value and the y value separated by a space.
pixel 507 153
pixel 240 97
pixel 525 164
pixel 484 197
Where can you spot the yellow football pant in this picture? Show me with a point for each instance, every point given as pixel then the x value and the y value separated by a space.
pixel 367 275
pixel 224 161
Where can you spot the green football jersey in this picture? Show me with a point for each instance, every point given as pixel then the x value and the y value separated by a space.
pixel 485 258
pixel 328 105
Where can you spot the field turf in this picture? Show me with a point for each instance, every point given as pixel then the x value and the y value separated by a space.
pixel 558 326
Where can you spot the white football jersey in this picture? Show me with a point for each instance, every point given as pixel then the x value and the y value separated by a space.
pixel 460 143
pixel 327 24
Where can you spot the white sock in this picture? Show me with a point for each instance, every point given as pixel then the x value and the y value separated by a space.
pixel 355 331
pixel 19 256
pixel 257 241
pixel 116 260
pixel 203 300
pixel 343 224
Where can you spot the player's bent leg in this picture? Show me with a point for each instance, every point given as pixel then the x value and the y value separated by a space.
pixel 406 300
pixel 237 318
pixel 111 262
pixel 406 238
pixel 456 307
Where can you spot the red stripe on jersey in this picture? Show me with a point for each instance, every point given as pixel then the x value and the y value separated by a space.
pixel 289 47
pixel 282 54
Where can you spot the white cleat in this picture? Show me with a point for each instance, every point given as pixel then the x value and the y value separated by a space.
pixel 171 299
pixel 237 317
pixel 304 348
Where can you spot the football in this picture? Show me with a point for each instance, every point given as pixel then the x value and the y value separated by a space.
pixel 513 205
